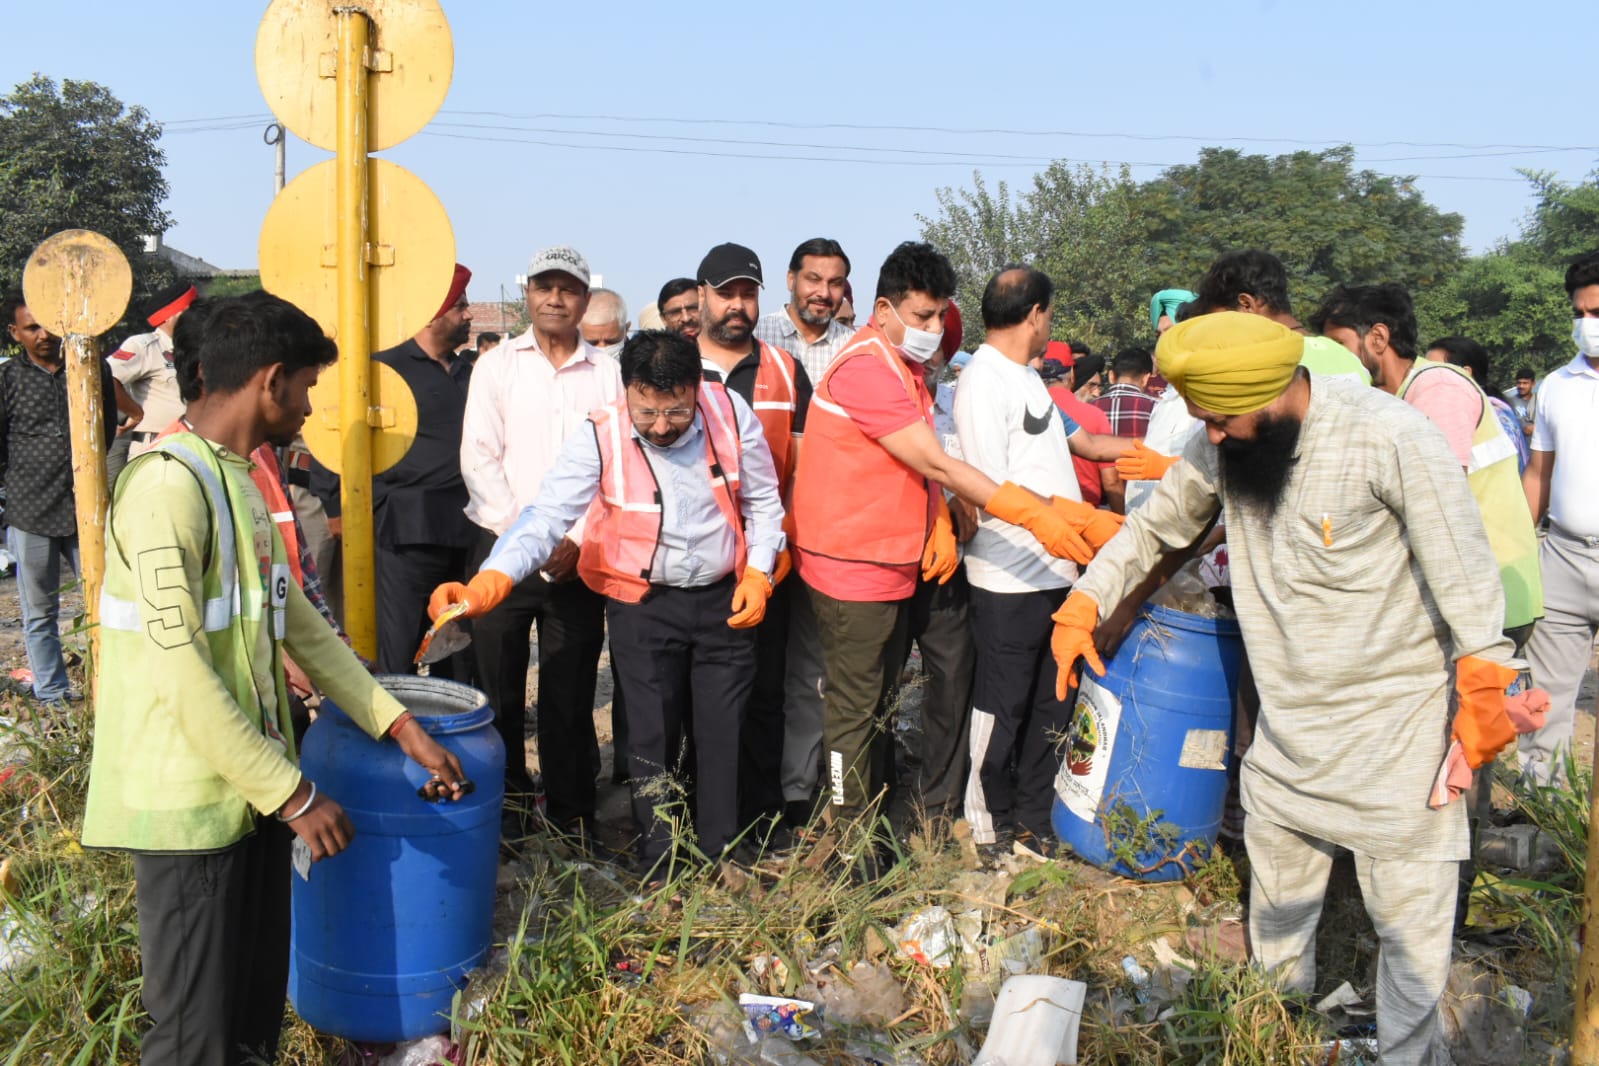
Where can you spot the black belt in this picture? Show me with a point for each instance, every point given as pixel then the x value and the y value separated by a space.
pixel 299 478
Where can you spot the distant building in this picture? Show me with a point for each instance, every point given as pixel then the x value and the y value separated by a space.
pixel 496 317
pixel 189 267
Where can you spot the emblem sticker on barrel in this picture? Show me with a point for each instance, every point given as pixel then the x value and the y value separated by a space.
pixel 1081 781
pixel 1204 749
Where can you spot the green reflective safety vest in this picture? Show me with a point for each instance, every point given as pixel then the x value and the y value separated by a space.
pixel 151 786
pixel 1496 484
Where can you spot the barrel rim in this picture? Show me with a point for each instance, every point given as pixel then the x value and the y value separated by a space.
pixel 1193 623
pixel 473 706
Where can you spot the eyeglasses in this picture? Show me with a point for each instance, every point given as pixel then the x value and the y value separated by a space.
pixel 646 416
pixel 680 312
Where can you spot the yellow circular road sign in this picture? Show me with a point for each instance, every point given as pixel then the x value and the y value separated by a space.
pixel 411 250
pixel 412 61
pixel 390 397
pixel 78 281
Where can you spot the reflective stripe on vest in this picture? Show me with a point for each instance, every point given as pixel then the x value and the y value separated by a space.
pixel 1496 486
pixel 123 615
pixel 622 530
pixel 774 379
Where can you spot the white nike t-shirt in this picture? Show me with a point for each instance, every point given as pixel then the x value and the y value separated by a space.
pixel 1010 429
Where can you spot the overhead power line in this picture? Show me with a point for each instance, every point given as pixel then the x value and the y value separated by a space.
pixel 1011 132
pixel 737 147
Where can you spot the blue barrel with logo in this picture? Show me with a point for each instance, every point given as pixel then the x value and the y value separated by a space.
pixel 1143 784
pixel 386 931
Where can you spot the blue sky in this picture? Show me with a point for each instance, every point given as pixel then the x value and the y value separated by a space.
pixel 1458 95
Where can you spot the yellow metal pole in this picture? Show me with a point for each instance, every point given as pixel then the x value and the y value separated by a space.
pixel 355 349
pixel 86 413
pixel 1585 1030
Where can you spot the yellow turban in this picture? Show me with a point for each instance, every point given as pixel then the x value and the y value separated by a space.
pixel 1229 362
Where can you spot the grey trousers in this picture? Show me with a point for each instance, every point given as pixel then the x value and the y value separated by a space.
pixel 1561 647
pixel 803 689
pixel 1411 904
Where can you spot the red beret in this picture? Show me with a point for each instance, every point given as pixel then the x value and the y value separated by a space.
pixel 172 301
pixel 1059 350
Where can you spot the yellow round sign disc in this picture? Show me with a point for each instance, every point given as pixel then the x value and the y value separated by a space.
pixel 392 398
pixel 78 281
pixel 411 257
pixel 412 61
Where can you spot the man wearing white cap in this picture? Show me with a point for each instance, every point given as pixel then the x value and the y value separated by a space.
pixel 527 396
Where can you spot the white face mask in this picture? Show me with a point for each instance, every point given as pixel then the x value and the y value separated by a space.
pixel 919 345
pixel 612 350
pixel 1585 332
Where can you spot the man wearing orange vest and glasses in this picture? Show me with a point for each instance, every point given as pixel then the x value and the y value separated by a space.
pixel 684 525
pixel 778 390
pixel 870 516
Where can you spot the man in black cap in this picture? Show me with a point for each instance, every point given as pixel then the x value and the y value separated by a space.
pixel 778 390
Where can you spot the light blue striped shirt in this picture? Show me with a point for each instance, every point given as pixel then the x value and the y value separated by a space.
pixel 697 545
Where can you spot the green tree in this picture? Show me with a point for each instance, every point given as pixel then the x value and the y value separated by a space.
pixel 1329 223
pixel 1110 243
pixel 73 157
pixel 1512 299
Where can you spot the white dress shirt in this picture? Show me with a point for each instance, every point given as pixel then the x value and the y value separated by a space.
pixel 519 410
pixel 1568 425
pixel 697 545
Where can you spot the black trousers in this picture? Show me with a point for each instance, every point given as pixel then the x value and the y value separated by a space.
pixel 1014 712
pixel 940 625
pixel 214 944
pixel 406 577
pixel 685 673
pixel 760 756
pixel 571 632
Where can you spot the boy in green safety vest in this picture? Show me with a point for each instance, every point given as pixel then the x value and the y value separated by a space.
pixel 194 768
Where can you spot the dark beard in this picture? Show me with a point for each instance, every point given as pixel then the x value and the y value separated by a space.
pixel 734 329
pixel 813 319
pixel 1256 471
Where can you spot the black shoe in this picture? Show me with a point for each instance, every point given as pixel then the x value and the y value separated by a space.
pixel 797 814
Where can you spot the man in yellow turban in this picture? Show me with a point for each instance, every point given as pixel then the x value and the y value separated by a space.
pixel 1365 589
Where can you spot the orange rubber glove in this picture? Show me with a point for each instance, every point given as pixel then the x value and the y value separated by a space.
pixel 1014 504
pixel 1096 526
pixel 1073 639
pixel 1481 724
pixel 941 556
pixel 1141 463
pixel 749 599
pixel 486 591
pixel 783 567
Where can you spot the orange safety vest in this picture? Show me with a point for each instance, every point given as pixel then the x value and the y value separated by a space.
pixel 775 401
pixel 622 530
pixel 853 500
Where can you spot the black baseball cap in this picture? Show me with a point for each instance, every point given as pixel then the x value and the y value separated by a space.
pixel 729 262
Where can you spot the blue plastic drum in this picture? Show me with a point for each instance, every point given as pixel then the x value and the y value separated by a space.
pixel 386 931
pixel 1143 785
